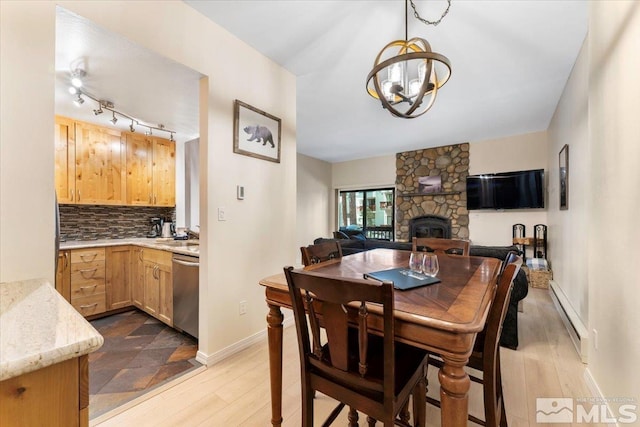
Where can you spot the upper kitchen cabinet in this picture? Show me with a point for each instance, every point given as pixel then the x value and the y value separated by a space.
pixel 100 165
pixel 151 170
pixel 65 160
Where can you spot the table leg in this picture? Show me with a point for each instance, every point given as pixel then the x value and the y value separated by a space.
pixel 454 392
pixel 274 333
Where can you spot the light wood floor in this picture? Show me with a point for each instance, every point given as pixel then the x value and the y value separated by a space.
pixel 235 392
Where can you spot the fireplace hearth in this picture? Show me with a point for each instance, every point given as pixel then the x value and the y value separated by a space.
pixel 430 226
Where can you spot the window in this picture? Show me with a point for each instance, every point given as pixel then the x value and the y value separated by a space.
pixel 371 211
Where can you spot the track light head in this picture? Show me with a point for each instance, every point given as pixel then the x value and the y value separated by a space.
pixel 114 120
pixel 78 101
pixel 98 111
pixel 131 128
pixel 73 90
pixel 76 77
pixel 171 137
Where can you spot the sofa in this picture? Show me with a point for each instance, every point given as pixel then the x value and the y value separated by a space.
pixel 509 338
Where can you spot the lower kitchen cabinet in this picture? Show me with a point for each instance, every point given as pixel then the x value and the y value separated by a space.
pixel 88 293
pixel 137 277
pixel 63 275
pixel 158 285
pixel 118 276
pixel 57 395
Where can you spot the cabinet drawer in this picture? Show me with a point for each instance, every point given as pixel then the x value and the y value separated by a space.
pixel 158 257
pixel 92 304
pixel 87 255
pixel 87 273
pixel 87 289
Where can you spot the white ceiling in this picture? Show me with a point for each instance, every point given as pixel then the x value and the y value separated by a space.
pixel 140 83
pixel 510 60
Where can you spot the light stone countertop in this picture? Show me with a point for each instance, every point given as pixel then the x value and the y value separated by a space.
pixel 185 247
pixel 39 328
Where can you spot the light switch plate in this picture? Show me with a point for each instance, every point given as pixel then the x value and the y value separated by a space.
pixel 222 215
pixel 240 192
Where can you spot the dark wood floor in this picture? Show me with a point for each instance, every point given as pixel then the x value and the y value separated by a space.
pixel 139 354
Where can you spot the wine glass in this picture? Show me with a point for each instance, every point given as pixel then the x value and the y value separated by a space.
pixel 430 265
pixel 415 262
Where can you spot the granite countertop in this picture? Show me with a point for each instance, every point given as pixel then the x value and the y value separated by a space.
pixel 185 247
pixel 39 328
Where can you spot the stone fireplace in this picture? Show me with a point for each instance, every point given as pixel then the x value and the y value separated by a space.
pixel 451 164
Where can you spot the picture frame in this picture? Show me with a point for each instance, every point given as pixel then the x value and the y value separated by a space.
pixel 563 169
pixel 430 184
pixel 256 133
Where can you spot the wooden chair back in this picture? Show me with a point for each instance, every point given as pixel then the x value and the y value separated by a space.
pixel 315 254
pixel 456 246
pixel 486 353
pixel 340 368
pixel 494 411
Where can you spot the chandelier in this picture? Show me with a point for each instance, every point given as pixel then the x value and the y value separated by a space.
pixel 407 74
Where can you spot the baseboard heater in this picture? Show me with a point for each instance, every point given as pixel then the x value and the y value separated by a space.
pixel 577 331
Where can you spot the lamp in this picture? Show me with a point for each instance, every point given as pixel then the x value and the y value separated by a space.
pixel 114 120
pixel 76 77
pixel 407 74
pixel 78 101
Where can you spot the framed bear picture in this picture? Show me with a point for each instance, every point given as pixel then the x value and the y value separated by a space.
pixel 255 132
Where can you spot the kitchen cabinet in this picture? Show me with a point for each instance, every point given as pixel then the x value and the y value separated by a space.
pixel 118 279
pixel 137 277
pixel 150 170
pixel 65 159
pixel 63 275
pixel 158 285
pixel 57 395
pixel 100 165
pixel 88 293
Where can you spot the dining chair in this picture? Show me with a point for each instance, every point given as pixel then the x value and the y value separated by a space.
pixel 486 352
pixel 451 246
pixel 370 373
pixel 314 254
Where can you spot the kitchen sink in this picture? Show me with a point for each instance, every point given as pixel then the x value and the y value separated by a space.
pixel 181 243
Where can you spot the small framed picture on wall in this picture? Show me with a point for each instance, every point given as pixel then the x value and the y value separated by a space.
pixel 563 162
pixel 255 133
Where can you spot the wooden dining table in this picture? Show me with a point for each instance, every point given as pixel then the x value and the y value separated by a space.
pixel 442 318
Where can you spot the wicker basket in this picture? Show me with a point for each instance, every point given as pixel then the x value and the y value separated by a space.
pixel 539 278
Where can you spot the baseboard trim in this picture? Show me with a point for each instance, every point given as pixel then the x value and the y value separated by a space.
pixel 577 330
pixel 593 387
pixel 219 356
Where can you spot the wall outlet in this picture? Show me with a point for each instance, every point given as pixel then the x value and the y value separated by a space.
pixel 243 307
pixel 595 338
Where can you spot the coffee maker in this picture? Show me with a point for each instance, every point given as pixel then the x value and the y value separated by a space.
pixel 156 227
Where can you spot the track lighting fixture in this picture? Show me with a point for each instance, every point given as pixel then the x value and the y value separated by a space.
pixel 78 101
pixel 74 89
pixel 171 137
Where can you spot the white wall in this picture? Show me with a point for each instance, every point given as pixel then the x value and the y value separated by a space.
pixel 519 152
pixel 614 199
pixel 313 201
pixel 27 48
pixel 192 184
pixel 373 172
pixel 236 71
pixel 568 242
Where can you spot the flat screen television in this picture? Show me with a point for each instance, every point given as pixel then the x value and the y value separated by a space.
pixel 508 190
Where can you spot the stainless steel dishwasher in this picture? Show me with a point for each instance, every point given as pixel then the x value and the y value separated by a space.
pixel 185 293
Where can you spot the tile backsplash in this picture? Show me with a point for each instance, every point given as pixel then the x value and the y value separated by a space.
pixel 89 222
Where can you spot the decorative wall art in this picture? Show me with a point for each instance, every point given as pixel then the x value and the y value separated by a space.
pixel 430 184
pixel 255 132
pixel 564 177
